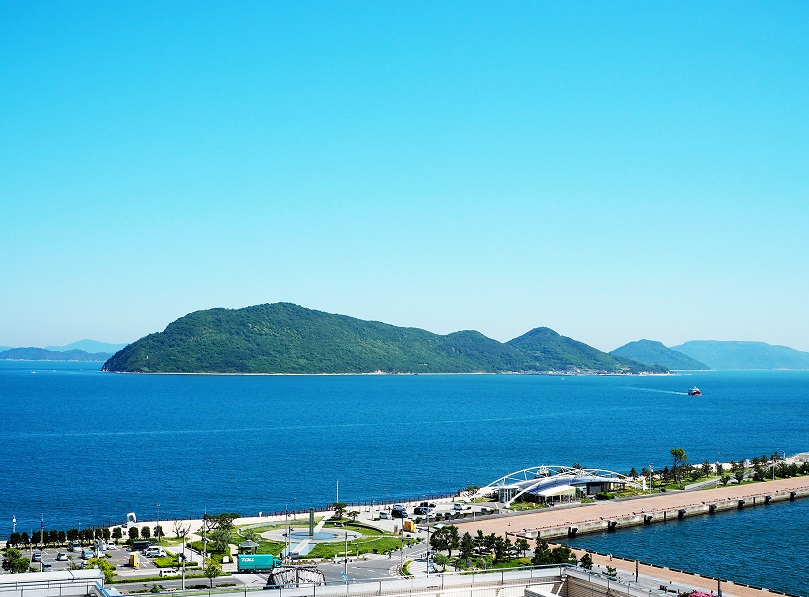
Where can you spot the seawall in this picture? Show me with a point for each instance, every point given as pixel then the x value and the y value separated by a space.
pixel 559 522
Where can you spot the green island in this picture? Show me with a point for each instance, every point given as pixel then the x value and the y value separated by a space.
pixel 287 338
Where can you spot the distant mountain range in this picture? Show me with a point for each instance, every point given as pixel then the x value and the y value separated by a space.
pixel 744 355
pixel 287 338
pixel 650 352
pixel 92 346
pixel 40 354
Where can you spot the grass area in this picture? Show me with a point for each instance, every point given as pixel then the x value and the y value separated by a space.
pixel 171 562
pixel 129 579
pixel 515 563
pixel 525 506
pixel 372 541
pixel 265 546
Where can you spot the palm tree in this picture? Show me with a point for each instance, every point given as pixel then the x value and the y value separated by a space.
pixel 680 457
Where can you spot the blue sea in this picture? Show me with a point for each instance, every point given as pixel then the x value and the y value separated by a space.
pixel 82 447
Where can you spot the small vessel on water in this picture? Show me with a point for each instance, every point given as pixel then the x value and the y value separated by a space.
pixel 695 391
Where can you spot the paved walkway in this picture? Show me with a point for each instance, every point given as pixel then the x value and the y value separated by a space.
pixel 560 515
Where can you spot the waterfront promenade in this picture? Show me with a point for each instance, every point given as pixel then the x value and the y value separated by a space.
pixel 627 509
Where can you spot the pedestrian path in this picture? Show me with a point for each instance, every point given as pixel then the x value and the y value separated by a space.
pixel 300 547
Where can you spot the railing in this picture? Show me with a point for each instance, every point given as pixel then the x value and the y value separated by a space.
pixel 457 584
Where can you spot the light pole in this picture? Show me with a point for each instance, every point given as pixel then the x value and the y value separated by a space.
pixel 428 544
pixel 651 470
pixel 294 508
pixel 345 560
pixel 157 527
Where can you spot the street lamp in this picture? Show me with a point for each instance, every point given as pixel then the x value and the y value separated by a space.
pixel 651 470
pixel 157 527
pixel 294 508
pixel 428 543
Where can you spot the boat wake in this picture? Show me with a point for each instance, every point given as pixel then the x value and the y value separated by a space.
pixel 658 391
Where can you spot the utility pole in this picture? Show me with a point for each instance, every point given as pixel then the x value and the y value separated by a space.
pixel 41 537
pixel 157 528
pixel 345 561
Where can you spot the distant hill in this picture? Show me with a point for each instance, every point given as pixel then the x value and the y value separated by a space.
pixel 40 354
pixel 560 353
pixel 2 348
pixel 88 346
pixel 287 338
pixel 744 355
pixel 650 352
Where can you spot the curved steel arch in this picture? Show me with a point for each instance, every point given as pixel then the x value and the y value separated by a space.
pixel 541 474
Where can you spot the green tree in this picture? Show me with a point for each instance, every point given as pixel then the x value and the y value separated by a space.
pixel 24 538
pixel 467 546
pixel 105 566
pixel 117 533
pixel 562 554
pixel 145 532
pixel 586 562
pixel 453 538
pixel 438 540
pixel 14 562
pixel 53 537
pixel 542 554
pixel 706 468
pixel 250 535
pixel 72 535
pixel 14 539
pixel 211 569
pixel 133 533
pixel 106 534
pixel 353 515
pixel 633 473
pixel 680 457
pixel 501 549
pixel 441 560
pixel 522 545
pixel 725 479
pixel 61 537
pixel 739 476
pixel 339 509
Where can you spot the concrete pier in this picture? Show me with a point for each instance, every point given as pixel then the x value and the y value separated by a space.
pixel 557 522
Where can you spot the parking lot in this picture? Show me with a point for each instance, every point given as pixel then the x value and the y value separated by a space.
pixel 61 559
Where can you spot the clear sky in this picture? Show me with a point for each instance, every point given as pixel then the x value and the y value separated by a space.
pixel 612 170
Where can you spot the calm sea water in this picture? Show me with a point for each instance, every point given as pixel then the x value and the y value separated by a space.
pixel 762 546
pixel 80 446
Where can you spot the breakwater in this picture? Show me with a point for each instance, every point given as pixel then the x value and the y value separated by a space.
pixel 654 515
pixel 562 522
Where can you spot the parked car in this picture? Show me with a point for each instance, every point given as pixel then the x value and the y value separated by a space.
pixel 45 564
pixel 155 552
pixel 74 546
pixel 61 557
pixel 384 515
pixel 86 554
pixel 398 511
pixel 457 507
pixel 36 556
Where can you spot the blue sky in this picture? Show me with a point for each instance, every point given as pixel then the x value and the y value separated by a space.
pixel 612 170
